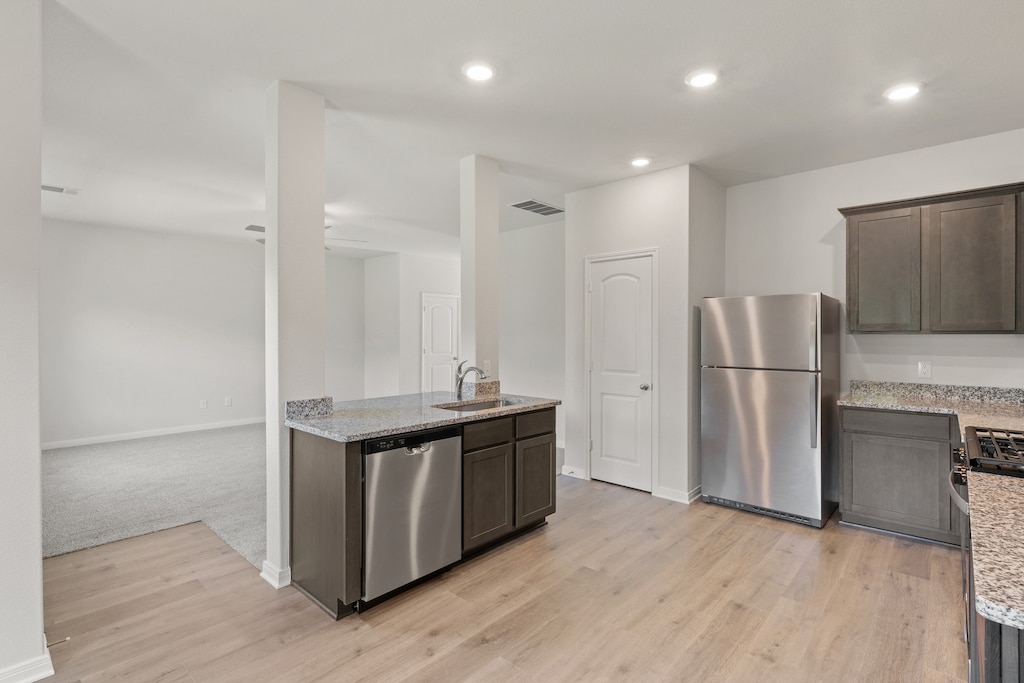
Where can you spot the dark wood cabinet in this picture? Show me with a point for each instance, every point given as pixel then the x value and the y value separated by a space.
pixel 488 495
pixel 940 264
pixel 535 479
pixel 972 265
pixel 884 271
pixel 327 521
pixel 894 471
pixel 508 476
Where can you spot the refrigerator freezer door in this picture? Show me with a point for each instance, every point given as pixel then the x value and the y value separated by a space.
pixel 760 439
pixel 778 332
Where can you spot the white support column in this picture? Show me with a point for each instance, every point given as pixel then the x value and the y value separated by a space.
pixel 478 193
pixel 23 653
pixel 295 322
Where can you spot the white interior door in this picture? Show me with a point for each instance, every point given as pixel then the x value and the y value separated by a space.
pixel 440 341
pixel 621 360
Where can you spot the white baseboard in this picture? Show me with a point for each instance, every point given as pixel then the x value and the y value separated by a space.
pixel 35 669
pixel 573 471
pixel 694 494
pixel 676 495
pixel 50 445
pixel 278 578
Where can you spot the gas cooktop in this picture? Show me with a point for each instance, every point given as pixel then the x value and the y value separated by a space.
pixel 996 451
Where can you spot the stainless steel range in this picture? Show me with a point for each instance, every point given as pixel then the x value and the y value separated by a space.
pixel 992 451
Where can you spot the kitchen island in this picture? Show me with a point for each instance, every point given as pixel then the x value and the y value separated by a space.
pixel 498 456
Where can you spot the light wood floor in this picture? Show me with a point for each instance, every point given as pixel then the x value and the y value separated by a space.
pixel 619 585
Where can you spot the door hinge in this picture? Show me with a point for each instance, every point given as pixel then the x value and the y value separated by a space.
pixel 591 445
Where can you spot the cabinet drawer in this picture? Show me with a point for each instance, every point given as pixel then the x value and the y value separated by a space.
pixel 476 435
pixel 532 424
pixel 920 425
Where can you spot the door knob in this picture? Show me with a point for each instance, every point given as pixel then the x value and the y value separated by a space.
pixel 645 387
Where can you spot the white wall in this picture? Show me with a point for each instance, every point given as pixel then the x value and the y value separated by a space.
pixel 707 278
pixel 651 210
pixel 138 327
pixel 345 332
pixel 785 235
pixel 394 286
pixel 419 274
pixel 532 325
pixel 23 655
pixel 381 326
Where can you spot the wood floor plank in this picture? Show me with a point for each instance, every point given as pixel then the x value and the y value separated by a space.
pixel 618 586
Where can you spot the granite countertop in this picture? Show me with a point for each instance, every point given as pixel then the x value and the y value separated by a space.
pixel 373 417
pixel 997 544
pixel 998 407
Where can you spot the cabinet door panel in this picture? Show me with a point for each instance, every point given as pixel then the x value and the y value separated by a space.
pixel 897 484
pixel 535 479
pixel 884 271
pixel 488 491
pixel 972 265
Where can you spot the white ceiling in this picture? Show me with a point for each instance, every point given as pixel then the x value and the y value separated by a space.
pixel 155 110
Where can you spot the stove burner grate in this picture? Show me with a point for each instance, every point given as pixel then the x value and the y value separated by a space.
pixel 999 451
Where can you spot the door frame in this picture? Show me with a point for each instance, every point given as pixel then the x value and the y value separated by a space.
pixel 651 253
pixel 423 325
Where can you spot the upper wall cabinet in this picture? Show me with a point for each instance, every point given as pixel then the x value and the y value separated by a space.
pixel 946 263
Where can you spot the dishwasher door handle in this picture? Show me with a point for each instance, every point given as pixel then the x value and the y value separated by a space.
pixel 416 450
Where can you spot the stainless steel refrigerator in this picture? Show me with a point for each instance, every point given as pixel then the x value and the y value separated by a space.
pixel 769 381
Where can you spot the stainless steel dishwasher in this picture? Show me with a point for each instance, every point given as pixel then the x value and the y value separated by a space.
pixel 413 508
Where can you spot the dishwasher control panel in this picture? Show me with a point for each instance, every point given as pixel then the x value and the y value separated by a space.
pixel 390 443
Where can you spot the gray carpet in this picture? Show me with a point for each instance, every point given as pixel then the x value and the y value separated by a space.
pixel 105 492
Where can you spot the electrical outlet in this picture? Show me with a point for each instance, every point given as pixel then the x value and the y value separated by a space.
pixel 227 401
pixel 486 367
pixel 924 369
pixel 202 403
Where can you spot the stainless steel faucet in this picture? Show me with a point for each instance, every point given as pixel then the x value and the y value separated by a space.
pixel 460 376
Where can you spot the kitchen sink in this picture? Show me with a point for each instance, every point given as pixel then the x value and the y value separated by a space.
pixel 479 405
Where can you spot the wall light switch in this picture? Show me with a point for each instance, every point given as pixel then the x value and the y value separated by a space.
pixel 227 401
pixel 202 403
pixel 924 369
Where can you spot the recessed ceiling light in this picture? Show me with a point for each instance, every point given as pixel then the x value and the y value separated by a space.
pixel 640 162
pixel 903 91
pixel 479 71
pixel 701 78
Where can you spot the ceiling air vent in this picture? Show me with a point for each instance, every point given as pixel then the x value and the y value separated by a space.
pixel 58 189
pixel 534 206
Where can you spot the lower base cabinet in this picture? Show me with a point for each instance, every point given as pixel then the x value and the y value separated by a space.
pixel 535 479
pixel 895 466
pixel 488 495
pixel 508 476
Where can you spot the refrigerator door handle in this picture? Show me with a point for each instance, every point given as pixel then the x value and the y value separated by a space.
pixel 814 410
pixel 812 349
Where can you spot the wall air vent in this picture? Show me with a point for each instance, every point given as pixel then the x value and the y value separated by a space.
pixel 58 189
pixel 534 206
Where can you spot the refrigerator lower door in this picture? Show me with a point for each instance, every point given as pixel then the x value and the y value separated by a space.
pixel 760 440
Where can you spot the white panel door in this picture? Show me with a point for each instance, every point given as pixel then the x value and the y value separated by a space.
pixel 621 354
pixel 440 341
